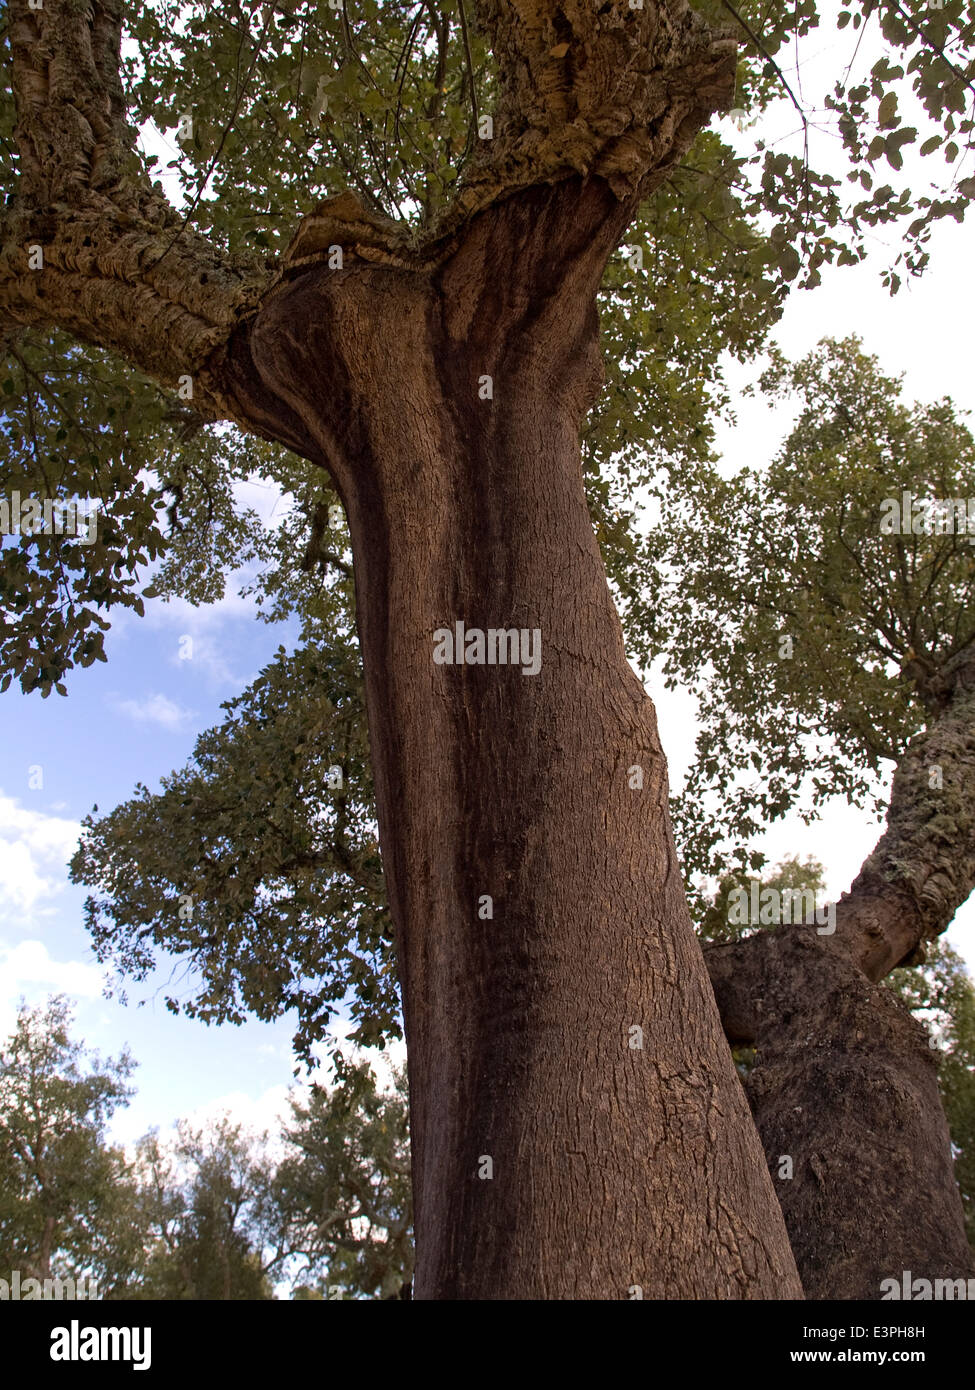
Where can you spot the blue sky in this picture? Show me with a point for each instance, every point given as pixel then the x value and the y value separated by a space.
pixel 132 719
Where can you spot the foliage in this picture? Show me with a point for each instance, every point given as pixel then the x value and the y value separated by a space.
pixel 60 1182
pixel 942 995
pixel 292 104
pixel 253 865
pixel 212 1212
pixel 76 425
pixel 791 876
pixel 823 636
pixel 344 1191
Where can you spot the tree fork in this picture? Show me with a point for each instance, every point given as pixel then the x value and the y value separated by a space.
pixel 578 1126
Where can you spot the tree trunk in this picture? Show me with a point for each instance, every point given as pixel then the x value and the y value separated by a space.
pixel 578 1128
pixel 844 1080
pixel 844 1089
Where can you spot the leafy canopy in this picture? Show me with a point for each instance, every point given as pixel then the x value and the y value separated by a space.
pixel 264 110
pixel 812 636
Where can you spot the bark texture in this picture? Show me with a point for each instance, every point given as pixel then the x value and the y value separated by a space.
pixel 611 1165
pixel 923 867
pixel 554 1156
pixel 120 270
pixel 845 1096
pixel 844 1079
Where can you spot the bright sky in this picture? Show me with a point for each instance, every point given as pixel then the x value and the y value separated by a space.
pixel 137 717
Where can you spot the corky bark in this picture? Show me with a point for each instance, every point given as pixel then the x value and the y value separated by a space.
pixel 845 1081
pixel 923 867
pixel 119 269
pixel 613 1165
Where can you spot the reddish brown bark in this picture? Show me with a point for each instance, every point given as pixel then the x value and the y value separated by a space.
pixel 613 1166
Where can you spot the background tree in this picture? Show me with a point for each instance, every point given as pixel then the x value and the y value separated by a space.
pixel 205 1209
pixel 321 1206
pixel 343 1189
pixel 836 646
pixel 485 246
pixel 62 1184
pixel 942 994
pixel 211 1212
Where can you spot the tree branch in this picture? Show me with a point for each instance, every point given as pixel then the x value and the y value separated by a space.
pixel 812 1007
pixel 588 89
pixel 87 243
pixel 923 867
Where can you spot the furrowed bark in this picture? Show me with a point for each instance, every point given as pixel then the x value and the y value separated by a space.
pixel 612 1165
pixel 845 1081
pixel 923 867
pixel 601 89
pixel 119 269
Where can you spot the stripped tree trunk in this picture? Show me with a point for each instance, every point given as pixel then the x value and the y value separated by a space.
pixel 578 1127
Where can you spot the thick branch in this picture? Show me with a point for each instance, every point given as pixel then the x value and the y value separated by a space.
pixel 607 91
pixel 86 243
pixel 923 867
pixel 920 872
pixel 845 1097
pixel 596 89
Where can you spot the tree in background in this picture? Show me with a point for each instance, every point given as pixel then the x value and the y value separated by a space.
pixel 211 1212
pixel 203 1204
pixel 941 993
pixel 343 1188
pixel 62 1186
pixel 323 1208
pixel 839 646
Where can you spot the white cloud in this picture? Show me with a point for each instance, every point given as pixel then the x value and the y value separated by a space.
pixel 215 645
pixel 208 631
pixel 28 971
pixel 153 709
pixel 257 1115
pixel 254 1113
pixel 34 849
